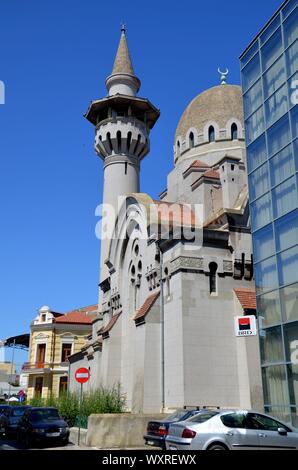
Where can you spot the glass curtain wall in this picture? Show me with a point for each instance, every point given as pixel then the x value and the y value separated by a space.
pixel 269 71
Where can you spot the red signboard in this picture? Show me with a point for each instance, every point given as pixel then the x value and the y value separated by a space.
pixel 82 375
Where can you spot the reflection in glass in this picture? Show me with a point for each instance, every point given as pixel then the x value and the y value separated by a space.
pixel 279 135
pixel 261 212
pixel 294 416
pixel 275 385
pixel 293 90
pixel 263 243
pixel 250 53
pixel 274 77
pixel 270 29
pixel 292 59
pixel 289 302
pixel 271 50
pixel 255 125
pixel 291 342
pixel 276 105
pixel 253 98
pixel 269 308
pixel 284 198
pixel 251 72
pixel 289 6
pixel 271 346
pixel 279 412
pixel 291 28
pixel 286 231
pixel 259 182
pixel 266 275
pixel 281 166
pixel 295 145
pixel 294 120
pixel 256 153
pixel 287 266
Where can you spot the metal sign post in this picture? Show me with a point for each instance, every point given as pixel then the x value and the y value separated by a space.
pixel 80 414
pixel 82 375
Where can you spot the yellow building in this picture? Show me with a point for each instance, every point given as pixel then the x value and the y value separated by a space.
pixel 7 368
pixel 53 338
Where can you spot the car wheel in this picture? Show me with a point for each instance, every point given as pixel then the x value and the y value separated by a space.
pixel 217 447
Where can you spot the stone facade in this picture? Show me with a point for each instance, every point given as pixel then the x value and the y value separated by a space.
pixel 165 328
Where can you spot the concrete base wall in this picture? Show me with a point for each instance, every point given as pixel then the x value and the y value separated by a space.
pixel 118 430
pixel 74 434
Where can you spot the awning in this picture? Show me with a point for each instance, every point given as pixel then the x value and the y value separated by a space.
pixel 20 341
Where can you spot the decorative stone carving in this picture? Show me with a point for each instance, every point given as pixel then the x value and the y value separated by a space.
pixel 186 263
pixel 227 266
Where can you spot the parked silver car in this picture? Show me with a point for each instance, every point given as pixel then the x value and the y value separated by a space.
pixel 231 430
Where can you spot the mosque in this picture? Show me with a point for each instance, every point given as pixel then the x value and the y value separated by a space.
pixel 174 272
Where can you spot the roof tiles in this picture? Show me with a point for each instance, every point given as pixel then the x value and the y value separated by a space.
pixel 246 297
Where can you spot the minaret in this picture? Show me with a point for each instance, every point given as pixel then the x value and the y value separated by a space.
pixel 122 125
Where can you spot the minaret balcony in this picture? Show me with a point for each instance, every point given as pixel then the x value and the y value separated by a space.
pixel 122 136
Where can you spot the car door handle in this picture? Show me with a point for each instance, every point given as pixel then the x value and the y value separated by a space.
pixel 229 433
pixel 262 434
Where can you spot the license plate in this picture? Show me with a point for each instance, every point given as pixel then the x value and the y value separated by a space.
pixel 172 447
pixel 150 443
pixel 53 434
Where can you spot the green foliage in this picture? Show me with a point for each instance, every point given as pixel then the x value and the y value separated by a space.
pixel 102 400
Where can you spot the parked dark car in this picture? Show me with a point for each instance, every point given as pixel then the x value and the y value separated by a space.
pixel 42 425
pixel 2 408
pixel 10 418
pixel 157 431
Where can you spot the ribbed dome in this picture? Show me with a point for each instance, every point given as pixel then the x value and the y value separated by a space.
pixel 218 104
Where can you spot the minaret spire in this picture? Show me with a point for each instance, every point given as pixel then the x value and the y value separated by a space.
pixel 123 79
pixel 122 122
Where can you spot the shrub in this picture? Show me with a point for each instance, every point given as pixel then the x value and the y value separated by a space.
pixel 102 400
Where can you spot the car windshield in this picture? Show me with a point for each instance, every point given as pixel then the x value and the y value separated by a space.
pixel 202 417
pixel 177 416
pixel 16 411
pixel 43 415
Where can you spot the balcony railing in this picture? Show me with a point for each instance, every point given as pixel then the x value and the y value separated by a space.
pixel 31 366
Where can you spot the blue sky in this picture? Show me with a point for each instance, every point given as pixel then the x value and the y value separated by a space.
pixel 54 58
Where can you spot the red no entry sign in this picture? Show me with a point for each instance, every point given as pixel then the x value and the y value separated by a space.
pixel 82 375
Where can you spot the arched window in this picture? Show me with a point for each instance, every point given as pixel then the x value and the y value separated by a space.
pixel 234 132
pixel 178 147
pixel 191 140
pixel 128 142
pixel 119 141
pixel 168 292
pixel 211 134
pixel 212 278
pixel 110 142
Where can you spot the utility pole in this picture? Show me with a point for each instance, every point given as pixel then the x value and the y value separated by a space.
pixel 11 367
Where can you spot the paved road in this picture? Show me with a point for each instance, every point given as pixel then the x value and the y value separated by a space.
pixel 11 444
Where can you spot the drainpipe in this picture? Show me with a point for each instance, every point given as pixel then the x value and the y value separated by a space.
pixel 162 320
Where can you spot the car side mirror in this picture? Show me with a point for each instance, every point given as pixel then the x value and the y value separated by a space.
pixel 282 431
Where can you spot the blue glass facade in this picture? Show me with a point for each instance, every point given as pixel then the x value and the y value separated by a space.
pixel 269 71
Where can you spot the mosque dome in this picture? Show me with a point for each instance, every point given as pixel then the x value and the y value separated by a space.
pixel 218 108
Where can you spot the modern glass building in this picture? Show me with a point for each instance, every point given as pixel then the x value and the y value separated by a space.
pixel 269 70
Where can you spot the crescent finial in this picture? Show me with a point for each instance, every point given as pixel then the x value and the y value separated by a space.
pixel 223 76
